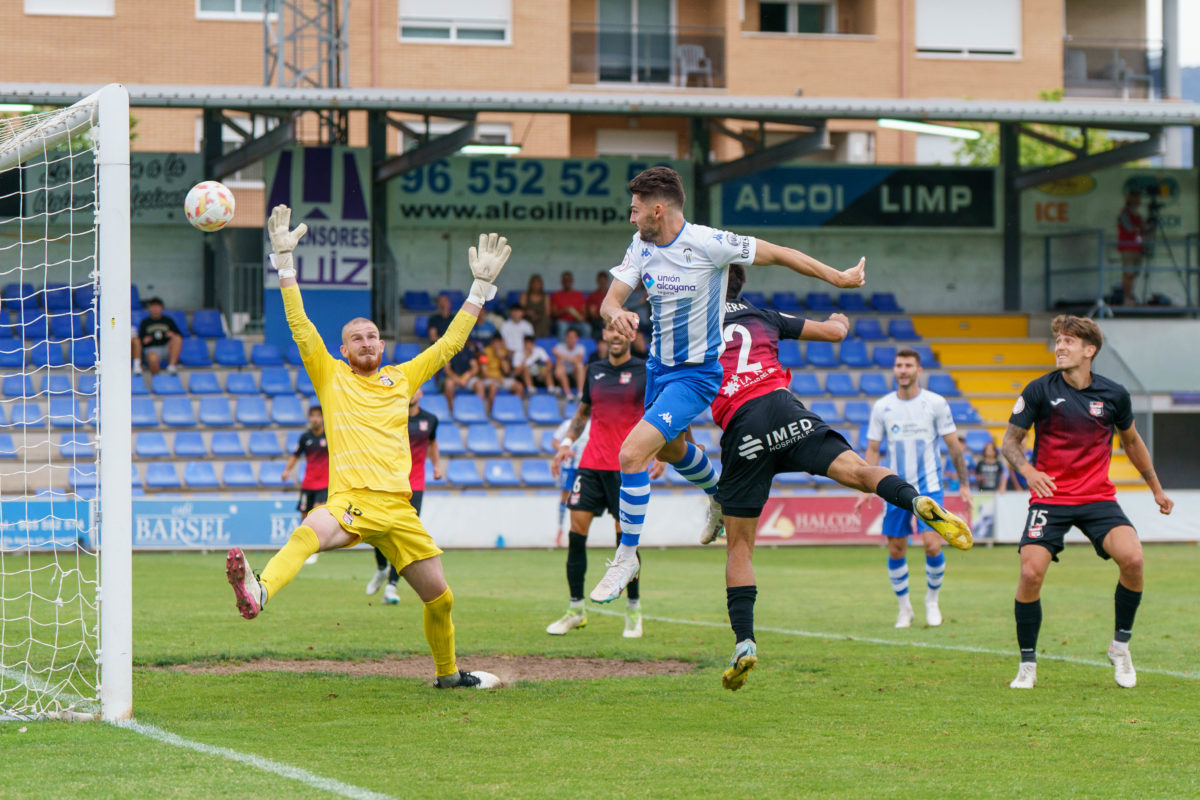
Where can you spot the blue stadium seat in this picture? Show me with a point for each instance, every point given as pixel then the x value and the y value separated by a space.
pixel 207 322
pixel 463 473
pixel 468 409
pixel 976 439
pixel 548 443
pixel 821 354
pixel 944 385
pixel 229 353
pixel 57 384
pixel 857 412
pixel 805 384
pixel 200 475
pixel 57 297
pixel 852 302
pixel 450 439
pixel 840 384
pixel 162 476
pixel 264 443
pixel 7 329
pixel 142 413
pixel 136 316
pixel 66 326
pixel 432 482
pixel 215 411
pixel 886 303
pixel 270 473
pixel 304 383
pixel 874 384
pixel 292 355
pixel 820 301
pixel 853 353
pixel 194 353
pixel 240 383
pixel 826 411
pixel 457 298
pixel 792 479
pixel 884 356
pixel 166 383
pixel 543 410
pixel 964 413
pixel 500 472
pixel 786 301
pixel 238 474
pixel 928 359
pixel 508 408
pixel 868 329
pixel 150 445
pixel 901 329
pixel 46 354
pixel 415 300
pixel 482 440
pixel 570 408
pixel 436 404
pixel 19 295
pixel 265 354
pixel 275 380
pixel 135 297
pixel 180 317
pixel 227 443
pixel 291 441
pixel 405 351
pixel 82 477
pixel 12 354
pixel 70 446
pixel 421 326
pixel 84 296
pixel 536 472
pixel 93 410
pixel 519 441
pixel 87 384
pixel 756 299
pixel 18 386
pixel 28 413
pixel 137 386
pixel 65 412
pixel 177 412
pixel 203 383
pixel 189 444
pixel 285 410
pixel 35 326
pixel 789 353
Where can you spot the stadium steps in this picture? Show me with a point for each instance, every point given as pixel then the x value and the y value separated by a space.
pixel 971 326
pixel 995 353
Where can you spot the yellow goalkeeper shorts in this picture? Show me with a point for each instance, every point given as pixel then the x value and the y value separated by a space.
pixel 384 520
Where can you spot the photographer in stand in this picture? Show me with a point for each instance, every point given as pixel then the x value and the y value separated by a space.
pixel 1131 232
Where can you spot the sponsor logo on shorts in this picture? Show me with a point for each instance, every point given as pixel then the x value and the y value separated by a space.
pixel 573 500
pixel 1096 408
pixel 665 417
pixel 787 434
pixel 346 518
pixel 750 447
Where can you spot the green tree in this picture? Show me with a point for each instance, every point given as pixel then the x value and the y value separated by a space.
pixel 985 151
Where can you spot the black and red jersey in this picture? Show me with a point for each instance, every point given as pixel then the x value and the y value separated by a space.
pixel 422 429
pixel 315 450
pixel 1074 431
pixel 617 396
pixel 751 357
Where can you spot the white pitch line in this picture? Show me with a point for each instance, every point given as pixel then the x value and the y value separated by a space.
pixel 258 762
pixel 899 643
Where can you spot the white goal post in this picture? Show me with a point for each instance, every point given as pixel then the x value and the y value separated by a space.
pixel 66 623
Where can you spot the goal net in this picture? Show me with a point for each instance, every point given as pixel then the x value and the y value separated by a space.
pixel 65 621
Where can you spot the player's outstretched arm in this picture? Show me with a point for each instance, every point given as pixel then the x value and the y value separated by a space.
pixel 283 242
pixel 768 254
pixel 1139 455
pixel 834 329
pixel 612 310
pixel 1013 450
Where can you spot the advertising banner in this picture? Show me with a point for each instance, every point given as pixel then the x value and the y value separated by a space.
pixel 203 524
pixel 37 524
pixel 830 519
pixel 868 197
pixel 1093 201
pixel 158 182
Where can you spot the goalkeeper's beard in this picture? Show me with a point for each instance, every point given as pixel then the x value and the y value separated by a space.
pixel 365 362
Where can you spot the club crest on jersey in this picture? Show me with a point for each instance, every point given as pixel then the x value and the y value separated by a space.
pixel 322 442
pixel 648 280
pixel 1096 408
pixel 423 425
pixel 687 254
pixel 626 377
pixel 386 381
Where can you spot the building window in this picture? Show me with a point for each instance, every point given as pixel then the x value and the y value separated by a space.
pixel 794 17
pixel 954 28
pixel 71 8
pixel 485 132
pixel 250 10
pixel 637 142
pixel 467 21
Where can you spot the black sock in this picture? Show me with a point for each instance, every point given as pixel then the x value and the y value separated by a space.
pixel 1125 602
pixel 740 602
pixel 633 590
pixel 576 563
pixel 380 559
pixel 393 576
pixel 897 491
pixel 1029 623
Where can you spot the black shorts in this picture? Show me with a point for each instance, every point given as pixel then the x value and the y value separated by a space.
pixel 768 435
pixel 416 499
pixel 596 491
pixel 311 498
pixel 1047 524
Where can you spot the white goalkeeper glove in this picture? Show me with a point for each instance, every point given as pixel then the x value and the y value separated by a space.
pixel 486 262
pixel 283 241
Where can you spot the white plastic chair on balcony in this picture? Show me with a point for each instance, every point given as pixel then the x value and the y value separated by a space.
pixel 690 60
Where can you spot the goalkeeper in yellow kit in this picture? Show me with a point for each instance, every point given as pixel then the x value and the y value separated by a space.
pixel 366 422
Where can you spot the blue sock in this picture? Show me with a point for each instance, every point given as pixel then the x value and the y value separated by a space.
pixel 935 569
pixel 562 515
pixel 898 572
pixel 696 467
pixel 635 497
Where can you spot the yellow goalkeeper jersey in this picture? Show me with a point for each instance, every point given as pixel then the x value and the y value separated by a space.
pixel 366 417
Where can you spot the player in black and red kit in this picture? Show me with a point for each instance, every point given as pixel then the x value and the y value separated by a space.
pixel 422 443
pixel 614 398
pixel 767 430
pixel 1075 412
pixel 314 489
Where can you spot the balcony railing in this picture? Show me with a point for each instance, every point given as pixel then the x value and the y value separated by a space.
pixel 1130 69
pixel 647 55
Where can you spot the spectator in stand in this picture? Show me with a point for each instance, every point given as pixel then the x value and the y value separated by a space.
pixel 158 338
pixel 570 358
pixel 496 370
pixel 603 279
pixel 515 329
pixel 461 373
pixel 536 303
pixel 990 473
pixel 1131 228
pixel 533 367
pixel 569 307
pixel 950 472
pixel 439 323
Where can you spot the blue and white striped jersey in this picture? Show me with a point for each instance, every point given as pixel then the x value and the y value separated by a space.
pixel 685 281
pixel 913 428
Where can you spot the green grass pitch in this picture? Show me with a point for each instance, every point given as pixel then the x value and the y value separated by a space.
pixel 841 704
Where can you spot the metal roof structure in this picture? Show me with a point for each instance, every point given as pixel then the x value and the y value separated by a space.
pixel 1118 114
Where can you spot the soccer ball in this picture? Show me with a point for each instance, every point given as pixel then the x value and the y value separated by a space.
pixel 209 206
